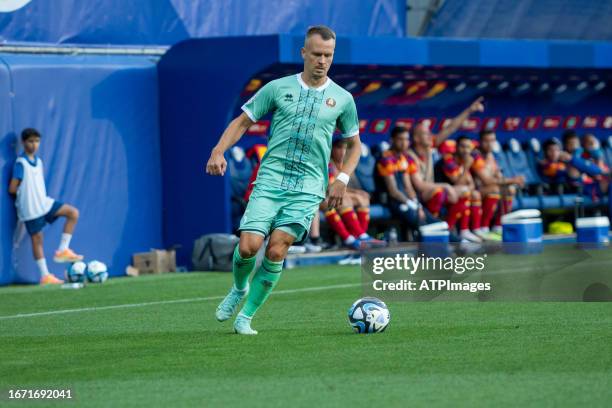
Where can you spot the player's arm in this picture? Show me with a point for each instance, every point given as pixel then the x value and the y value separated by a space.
pixel 351 159
pixel 487 179
pixel 423 186
pixel 418 182
pixel 217 165
pixel 14 186
pixel 394 192
pixel 16 178
pixel 348 124
pixel 455 124
pixel 258 106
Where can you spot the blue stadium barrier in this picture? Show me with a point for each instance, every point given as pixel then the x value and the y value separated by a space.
pixel 98 116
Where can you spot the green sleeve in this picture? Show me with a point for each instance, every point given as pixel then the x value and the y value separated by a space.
pixel 347 121
pixel 260 103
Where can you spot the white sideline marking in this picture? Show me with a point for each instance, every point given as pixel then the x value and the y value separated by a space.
pixel 169 302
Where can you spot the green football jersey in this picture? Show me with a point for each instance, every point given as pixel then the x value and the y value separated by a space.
pixel 303 123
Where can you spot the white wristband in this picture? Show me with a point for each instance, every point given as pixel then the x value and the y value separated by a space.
pixel 343 178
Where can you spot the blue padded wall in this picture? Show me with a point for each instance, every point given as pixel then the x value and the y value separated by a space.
pixel 100 145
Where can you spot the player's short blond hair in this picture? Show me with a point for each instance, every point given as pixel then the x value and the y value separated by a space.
pixel 325 32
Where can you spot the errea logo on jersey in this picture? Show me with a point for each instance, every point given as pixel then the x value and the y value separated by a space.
pixel 7 6
pixel 288 97
pixel 331 102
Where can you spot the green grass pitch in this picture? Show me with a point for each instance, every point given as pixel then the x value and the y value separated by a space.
pixel 164 347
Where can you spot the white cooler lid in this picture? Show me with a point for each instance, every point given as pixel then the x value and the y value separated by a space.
pixel 522 217
pixel 435 233
pixel 592 222
pixel 522 221
pixel 436 226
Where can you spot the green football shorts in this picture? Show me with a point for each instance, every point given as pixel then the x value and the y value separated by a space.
pixel 290 211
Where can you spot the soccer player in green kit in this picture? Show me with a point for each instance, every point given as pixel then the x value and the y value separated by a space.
pixel 292 180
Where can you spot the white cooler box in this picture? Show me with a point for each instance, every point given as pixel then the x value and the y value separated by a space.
pixel 593 230
pixel 522 226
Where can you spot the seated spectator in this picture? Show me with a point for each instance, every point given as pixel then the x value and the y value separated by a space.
pixel 554 166
pixel 582 169
pixel 457 165
pixel 352 219
pixel 436 195
pixel 393 171
pixel 594 154
pixel 491 183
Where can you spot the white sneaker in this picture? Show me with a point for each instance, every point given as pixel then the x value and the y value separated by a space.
pixel 227 307
pixel 487 236
pixel 313 248
pixel 350 260
pixel 470 236
pixel 242 325
pixel 296 250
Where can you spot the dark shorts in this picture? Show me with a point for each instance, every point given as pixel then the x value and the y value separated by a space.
pixel 37 224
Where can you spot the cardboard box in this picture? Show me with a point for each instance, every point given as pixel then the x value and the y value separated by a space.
pixel 155 261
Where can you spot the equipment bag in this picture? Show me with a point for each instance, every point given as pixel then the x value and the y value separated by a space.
pixel 214 252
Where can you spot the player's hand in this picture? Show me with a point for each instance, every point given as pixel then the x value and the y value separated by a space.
pixel 216 165
pixel 335 195
pixel 477 105
pixel 421 214
pixel 520 180
pixel 565 156
pixel 450 192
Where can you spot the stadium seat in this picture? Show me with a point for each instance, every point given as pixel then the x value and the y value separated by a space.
pixel 525 202
pixel 520 164
pixel 502 160
pixel 378 211
pixel 239 168
pixel 365 169
pixel 607 147
pixel 377 149
pixel 435 155
pixel 517 160
pixel 534 152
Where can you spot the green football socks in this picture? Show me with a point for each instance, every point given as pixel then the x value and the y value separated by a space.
pixel 262 285
pixel 242 268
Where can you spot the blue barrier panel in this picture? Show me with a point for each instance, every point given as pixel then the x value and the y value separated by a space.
pixel 98 117
pixel 7 157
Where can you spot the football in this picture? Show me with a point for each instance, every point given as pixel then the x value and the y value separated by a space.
pixel 76 272
pixel 369 315
pixel 96 272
